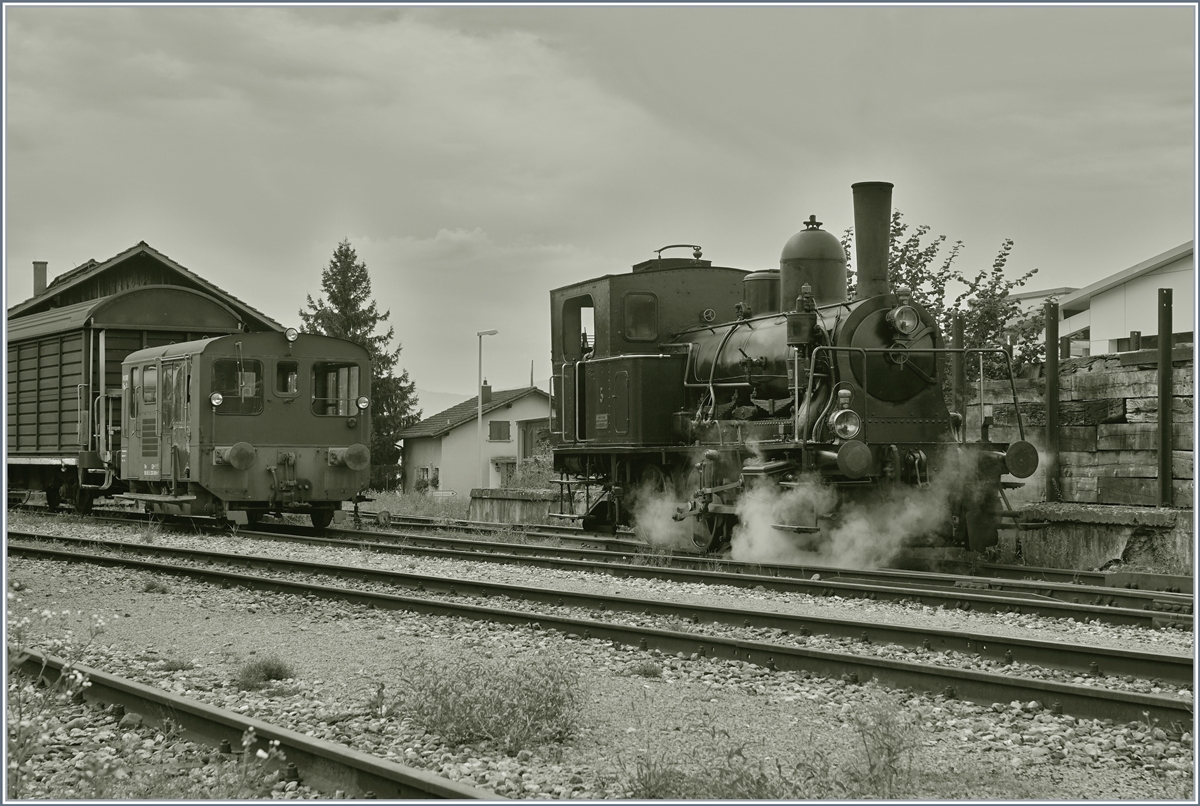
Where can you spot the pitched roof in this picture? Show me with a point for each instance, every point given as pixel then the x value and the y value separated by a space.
pixel 445 421
pixel 90 268
pixel 1081 300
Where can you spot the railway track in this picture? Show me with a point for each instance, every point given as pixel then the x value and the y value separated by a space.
pixel 1140 608
pixel 978 686
pixel 320 764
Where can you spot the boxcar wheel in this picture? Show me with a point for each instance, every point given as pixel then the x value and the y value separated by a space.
pixel 321 518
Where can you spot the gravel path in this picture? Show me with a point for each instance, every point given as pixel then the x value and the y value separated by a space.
pixel 342 653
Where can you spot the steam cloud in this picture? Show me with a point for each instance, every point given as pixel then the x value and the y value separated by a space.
pixel 865 533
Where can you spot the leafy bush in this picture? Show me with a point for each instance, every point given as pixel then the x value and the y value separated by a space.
pixel 514 702
pixel 257 673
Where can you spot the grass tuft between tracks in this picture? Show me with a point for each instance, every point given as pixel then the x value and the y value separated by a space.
pixel 514 702
pixel 257 673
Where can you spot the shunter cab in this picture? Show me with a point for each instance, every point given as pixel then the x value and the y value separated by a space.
pixel 241 425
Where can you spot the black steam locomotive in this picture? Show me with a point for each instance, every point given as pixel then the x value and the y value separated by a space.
pixel 702 383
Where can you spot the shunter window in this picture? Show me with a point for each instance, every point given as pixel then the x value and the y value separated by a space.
pixel 240 383
pixel 135 378
pixel 335 388
pixel 287 377
pixel 641 317
pixel 150 384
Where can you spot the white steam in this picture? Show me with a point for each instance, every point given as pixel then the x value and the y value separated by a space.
pixel 855 534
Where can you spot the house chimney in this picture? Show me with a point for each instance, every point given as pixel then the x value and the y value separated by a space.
pixel 39 277
pixel 485 392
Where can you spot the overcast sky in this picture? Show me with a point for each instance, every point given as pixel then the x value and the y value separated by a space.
pixel 478 157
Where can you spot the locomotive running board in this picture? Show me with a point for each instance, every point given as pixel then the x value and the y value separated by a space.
pixel 800 530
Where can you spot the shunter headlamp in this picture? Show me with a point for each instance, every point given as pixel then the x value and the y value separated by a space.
pixel 845 423
pixel 291 334
pixel 362 403
pixel 905 319
pixel 216 398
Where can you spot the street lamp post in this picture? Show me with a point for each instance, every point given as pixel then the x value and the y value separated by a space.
pixel 479 406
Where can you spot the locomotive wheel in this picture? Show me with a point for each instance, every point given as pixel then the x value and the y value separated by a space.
pixel 321 518
pixel 982 518
pixel 83 501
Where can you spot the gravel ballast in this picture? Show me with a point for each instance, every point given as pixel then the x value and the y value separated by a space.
pixel 342 653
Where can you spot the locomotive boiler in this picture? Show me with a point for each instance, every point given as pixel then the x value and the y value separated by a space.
pixel 702 382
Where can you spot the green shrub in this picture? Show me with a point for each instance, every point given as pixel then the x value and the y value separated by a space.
pixel 514 702
pixel 257 673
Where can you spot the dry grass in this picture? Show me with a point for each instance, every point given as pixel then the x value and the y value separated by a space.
pixel 258 673
pixel 514 702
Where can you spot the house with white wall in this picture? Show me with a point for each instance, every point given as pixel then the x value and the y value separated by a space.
pixel 444 448
pixel 1105 314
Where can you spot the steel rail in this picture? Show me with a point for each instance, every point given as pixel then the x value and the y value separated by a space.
pixel 1062 590
pixel 982 687
pixel 326 766
pixel 971 593
pixel 1081 658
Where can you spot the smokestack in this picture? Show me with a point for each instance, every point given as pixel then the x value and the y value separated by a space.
pixel 872 236
pixel 39 277
pixel 485 392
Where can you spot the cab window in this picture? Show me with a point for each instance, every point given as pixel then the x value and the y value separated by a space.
pixel 150 385
pixel 335 387
pixel 240 383
pixel 287 378
pixel 641 317
pixel 135 380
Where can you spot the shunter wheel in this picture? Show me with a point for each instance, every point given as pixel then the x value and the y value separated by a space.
pixel 53 497
pixel 321 518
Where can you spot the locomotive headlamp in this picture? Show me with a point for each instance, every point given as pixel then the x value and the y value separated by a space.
pixel 291 334
pixel 216 398
pixel 905 319
pixel 362 403
pixel 845 423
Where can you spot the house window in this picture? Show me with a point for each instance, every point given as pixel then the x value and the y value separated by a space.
pixel 641 317
pixel 498 431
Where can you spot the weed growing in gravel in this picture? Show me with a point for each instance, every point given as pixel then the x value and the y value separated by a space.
pixel 645 668
pixel 421 505
pixel 241 775
pixel 707 762
pixel 517 702
pixel 154 586
pixel 257 673
pixel 172 665
pixel 32 699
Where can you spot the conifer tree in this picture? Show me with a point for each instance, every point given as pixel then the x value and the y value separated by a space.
pixel 347 311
